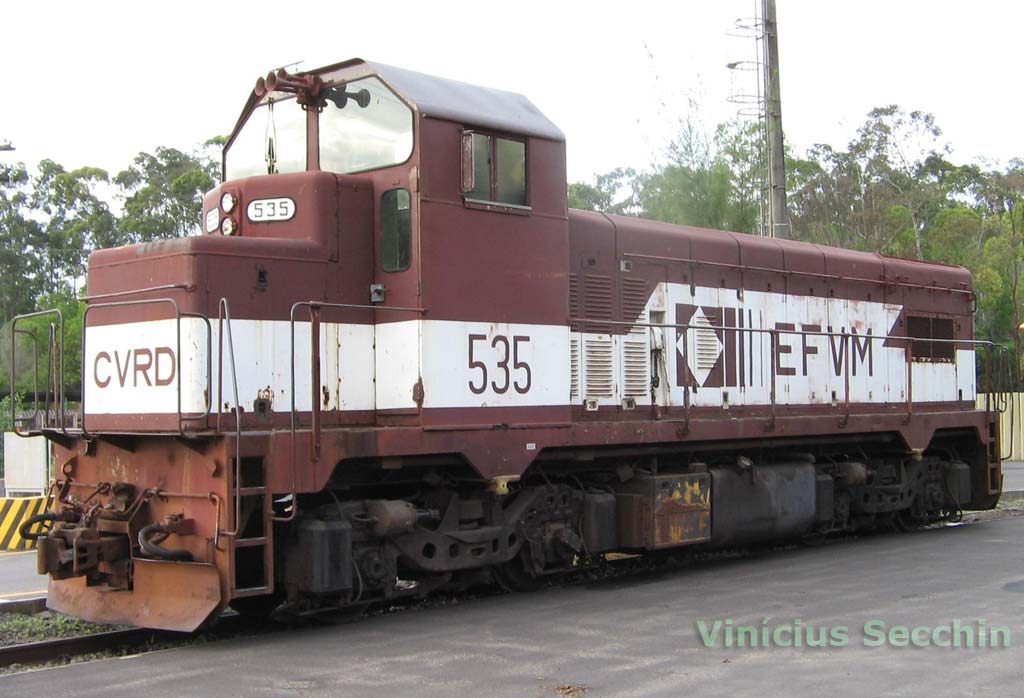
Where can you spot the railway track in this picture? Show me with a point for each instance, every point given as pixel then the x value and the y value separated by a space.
pixel 113 642
pixel 44 651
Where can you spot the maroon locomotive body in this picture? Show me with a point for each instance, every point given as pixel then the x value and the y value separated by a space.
pixel 396 361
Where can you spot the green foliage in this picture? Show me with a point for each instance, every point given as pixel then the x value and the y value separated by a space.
pixel 18 628
pixel 613 192
pixel 38 368
pixel 6 423
pixel 49 223
pixel 163 193
pixel 76 220
pixel 712 183
pixel 21 236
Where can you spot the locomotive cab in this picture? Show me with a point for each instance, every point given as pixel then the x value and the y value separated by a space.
pixel 456 225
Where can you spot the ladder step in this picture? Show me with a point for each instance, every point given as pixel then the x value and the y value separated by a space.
pixel 249 491
pixel 250 542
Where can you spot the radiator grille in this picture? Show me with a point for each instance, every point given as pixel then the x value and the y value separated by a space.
pixel 707 344
pixel 597 300
pixel 574 368
pixel 574 296
pixel 600 373
pixel 636 359
pixel 634 298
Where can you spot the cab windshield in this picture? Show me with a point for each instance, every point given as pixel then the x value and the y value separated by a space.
pixel 363 126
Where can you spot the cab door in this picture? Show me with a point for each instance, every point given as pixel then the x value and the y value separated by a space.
pixel 396 333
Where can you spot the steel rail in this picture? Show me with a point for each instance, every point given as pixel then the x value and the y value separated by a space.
pixel 43 651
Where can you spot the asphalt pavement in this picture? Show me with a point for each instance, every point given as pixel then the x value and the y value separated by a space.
pixel 1013 476
pixel 18 577
pixel 637 636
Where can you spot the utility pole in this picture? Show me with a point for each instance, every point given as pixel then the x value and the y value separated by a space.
pixel 778 222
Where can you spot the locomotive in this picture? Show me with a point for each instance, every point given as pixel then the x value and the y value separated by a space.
pixel 395 361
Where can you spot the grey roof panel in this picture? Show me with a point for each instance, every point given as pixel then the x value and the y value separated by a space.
pixel 469 104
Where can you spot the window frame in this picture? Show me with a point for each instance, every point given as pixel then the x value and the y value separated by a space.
pixel 380 255
pixel 492 203
pixel 921 332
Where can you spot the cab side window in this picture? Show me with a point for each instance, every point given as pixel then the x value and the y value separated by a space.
pixel 395 230
pixel 493 168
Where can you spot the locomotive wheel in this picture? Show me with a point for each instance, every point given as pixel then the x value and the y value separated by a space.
pixel 257 607
pixel 513 576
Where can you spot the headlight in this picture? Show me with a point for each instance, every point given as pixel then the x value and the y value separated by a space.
pixel 227 226
pixel 227 202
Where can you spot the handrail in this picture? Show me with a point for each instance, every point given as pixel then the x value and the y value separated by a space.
pixel 314 310
pixel 178 314
pixel 224 313
pixel 59 394
pixel 136 291
pixel 35 381
pixel 796 272
pixel 774 333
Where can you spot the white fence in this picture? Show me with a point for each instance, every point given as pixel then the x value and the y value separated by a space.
pixel 26 464
pixel 1011 433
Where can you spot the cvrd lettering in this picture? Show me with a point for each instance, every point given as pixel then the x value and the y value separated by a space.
pixel 151 367
pixel 508 352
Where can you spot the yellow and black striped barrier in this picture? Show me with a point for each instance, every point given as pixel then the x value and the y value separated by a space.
pixel 13 512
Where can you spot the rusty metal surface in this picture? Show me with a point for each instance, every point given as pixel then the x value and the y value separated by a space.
pixel 664 511
pixel 177 596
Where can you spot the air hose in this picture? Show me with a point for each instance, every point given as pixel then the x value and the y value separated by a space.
pixel 155 549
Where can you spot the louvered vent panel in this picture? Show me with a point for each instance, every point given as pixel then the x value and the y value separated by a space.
pixel 634 298
pixel 597 300
pixel 574 368
pixel 600 374
pixel 574 297
pixel 708 346
pixel 636 362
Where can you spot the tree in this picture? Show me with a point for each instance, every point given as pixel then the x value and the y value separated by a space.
pixel 714 183
pixel 38 366
pixel 612 192
pixel 19 264
pixel 163 193
pixel 881 193
pixel 77 221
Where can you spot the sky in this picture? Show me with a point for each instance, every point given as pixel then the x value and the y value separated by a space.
pixel 94 83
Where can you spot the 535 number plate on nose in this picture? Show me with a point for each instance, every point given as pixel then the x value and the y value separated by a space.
pixel 263 210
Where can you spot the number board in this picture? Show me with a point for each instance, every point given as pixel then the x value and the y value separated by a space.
pixel 266 210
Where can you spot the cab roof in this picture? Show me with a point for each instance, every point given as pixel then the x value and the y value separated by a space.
pixel 452 100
